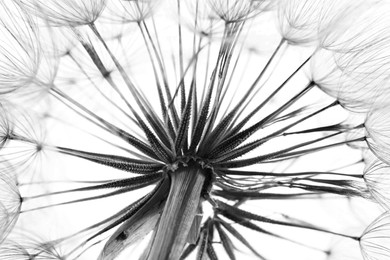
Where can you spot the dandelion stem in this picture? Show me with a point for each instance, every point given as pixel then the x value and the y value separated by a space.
pixel 178 214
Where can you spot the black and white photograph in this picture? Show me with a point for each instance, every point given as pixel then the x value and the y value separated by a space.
pixel 194 129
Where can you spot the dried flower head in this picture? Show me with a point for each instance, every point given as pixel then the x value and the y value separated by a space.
pixel 138 129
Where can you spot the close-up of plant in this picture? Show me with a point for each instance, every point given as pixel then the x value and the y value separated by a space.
pixel 195 129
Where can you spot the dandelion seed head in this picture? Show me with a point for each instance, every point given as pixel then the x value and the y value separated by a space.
pixel 187 124
pixel 65 13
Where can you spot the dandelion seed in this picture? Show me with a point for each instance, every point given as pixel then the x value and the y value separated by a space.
pixel 129 11
pixel 377 179
pixel 299 20
pixel 11 250
pixel 376 128
pixel 375 238
pixel 19 53
pixel 237 11
pixel 10 204
pixel 70 13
